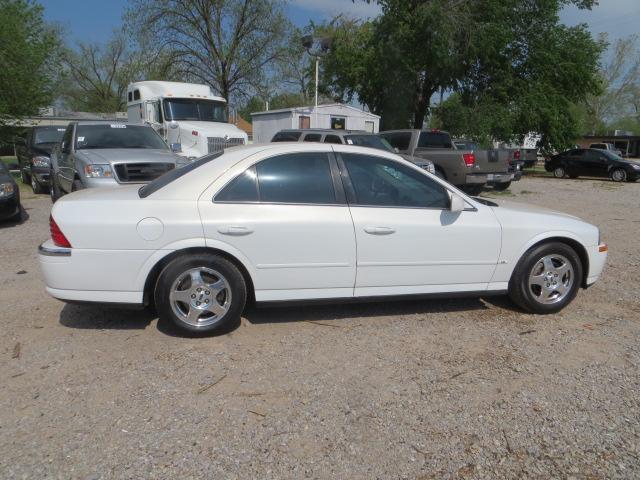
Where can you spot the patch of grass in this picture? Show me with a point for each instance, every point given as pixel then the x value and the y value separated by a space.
pixel 503 193
pixel 8 159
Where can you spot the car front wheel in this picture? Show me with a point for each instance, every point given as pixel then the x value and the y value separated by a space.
pixel 546 279
pixel 200 294
pixel 618 175
pixel 35 185
pixel 559 172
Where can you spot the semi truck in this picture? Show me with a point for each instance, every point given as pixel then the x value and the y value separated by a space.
pixel 189 117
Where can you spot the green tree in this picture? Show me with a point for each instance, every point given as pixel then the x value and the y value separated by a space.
pixel 28 55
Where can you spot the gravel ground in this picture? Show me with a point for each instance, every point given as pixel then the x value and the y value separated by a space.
pixel 420 390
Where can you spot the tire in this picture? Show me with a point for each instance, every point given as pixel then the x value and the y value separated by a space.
pixel 440 174
pixel 559 172
pixel 501 187
pixel 472 190
pixel 17 217
pixel 77 185
pixel 54 188
pixel 26 179
pixel 176 295
pixel 35 185
pixel 546 279
pixel 618 175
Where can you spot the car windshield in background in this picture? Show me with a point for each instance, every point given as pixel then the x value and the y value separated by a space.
pixel 47 135
pixel 197 110
pixel 117 135
pixel 434 140
pixel 371 141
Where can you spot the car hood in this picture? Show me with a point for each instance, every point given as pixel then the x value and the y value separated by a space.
pixel 43 148
pixel 211 129
pixel 122 155
pixel 516 207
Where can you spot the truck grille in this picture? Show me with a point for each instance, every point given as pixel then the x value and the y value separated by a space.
pixel 141 172
pixel 217 144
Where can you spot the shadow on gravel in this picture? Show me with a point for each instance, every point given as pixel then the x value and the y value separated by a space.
pixel 24 216
pixel 102 318
pixel 315 312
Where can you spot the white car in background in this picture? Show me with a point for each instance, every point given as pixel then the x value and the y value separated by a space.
pixel 295 221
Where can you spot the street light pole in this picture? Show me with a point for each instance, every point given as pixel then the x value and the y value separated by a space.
pixel 308 42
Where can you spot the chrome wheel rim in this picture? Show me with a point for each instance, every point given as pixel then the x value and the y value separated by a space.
pixel 559 172
pixel 551 279
pixel 619 175
pixel 200 297
pixel 34 183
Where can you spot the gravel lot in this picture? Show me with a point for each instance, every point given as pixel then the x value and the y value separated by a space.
pixel 420 390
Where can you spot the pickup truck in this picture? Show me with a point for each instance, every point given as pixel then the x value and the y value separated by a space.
pixel 469 170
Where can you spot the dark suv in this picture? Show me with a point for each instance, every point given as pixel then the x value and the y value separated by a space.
pixel 348 137
pixel 33 152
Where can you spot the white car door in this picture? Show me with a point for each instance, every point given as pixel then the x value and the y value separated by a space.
pixel 287 215
pixel 408 241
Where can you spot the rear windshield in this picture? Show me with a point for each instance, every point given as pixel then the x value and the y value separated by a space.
pixel 371 141
pixel 434 140
pixel 117 135
pixel 172 175
pixel 47 135
pixel 286 137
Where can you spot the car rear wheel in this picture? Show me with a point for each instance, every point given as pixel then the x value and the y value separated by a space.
pixel 559 172
pixel 35 185
pixel 501 187
pixel 619 175
pixel 54 189
pixel 200 294
pixel 546 279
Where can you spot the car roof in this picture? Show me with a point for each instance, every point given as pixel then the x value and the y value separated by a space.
pixel 322 130
pixel 109 122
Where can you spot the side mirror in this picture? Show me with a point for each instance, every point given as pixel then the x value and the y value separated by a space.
pixel 457 203
pixel 176 147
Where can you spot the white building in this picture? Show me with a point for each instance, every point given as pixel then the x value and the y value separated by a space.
pixel 333 115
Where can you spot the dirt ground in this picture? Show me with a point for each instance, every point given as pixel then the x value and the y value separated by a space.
pixel 417 390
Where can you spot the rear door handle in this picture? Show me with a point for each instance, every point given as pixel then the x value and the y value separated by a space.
pixel 235 230
pixel 379 230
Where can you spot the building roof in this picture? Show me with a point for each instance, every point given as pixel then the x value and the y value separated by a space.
pixel 311 108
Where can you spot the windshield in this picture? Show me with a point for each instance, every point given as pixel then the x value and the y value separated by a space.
pixel 611 155
pixel 47 135
pixel 200 110
pixel 371 141
pixel 118 135
pixel 466 145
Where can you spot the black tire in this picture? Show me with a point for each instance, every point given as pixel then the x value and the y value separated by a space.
pixel 17 217
pixel 233 295
pixel 54 188
pixel 25 177
pixel 523 293
pixel 77 185
pixel 472 190
pixel 559 172
pixel 618 175
pixel 501 187
pixel 35 186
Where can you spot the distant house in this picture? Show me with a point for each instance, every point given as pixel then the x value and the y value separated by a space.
pixel 629 145
pixel 334 115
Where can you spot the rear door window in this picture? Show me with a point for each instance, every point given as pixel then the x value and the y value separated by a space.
pixel 399 140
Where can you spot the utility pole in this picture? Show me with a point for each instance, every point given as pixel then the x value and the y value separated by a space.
pixel 322 48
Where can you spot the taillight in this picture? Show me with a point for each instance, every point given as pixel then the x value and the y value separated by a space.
pixel 516 155
pixel 194 133
pixel 469 159
pixel 57 236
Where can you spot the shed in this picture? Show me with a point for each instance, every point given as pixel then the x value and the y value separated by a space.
pixel 334 115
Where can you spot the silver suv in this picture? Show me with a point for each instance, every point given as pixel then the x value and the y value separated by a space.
pixel 102 154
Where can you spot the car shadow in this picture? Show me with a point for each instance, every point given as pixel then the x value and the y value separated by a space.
pixel 101 318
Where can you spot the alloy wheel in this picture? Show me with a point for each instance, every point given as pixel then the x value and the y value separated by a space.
pixel 551 279
pixel 200 296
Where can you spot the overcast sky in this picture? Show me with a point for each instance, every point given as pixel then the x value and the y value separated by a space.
pixel 93 20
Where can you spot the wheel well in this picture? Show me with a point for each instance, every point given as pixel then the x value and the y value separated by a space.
pixel 578 248
pixel 152 278
pixel 441 170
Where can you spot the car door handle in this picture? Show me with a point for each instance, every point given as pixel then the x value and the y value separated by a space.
pixel 235 230
pixel 379 230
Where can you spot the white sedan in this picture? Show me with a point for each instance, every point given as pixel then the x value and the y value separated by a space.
pixel 290 222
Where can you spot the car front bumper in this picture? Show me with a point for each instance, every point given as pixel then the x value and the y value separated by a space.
pixel 9 206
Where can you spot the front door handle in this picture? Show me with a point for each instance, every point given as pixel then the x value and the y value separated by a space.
pixel 235 230
pixel 379 230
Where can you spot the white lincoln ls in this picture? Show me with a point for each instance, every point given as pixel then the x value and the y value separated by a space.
pixel 285 222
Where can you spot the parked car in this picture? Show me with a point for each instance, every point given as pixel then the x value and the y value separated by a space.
pixel 10 208
pixel 307 221
pixel 467 169
pixel 33 152
pixel 606 146
pixel 348 137
pixel 102 154
pixel 593 162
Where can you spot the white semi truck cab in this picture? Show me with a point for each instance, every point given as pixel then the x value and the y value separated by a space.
pixel 190 118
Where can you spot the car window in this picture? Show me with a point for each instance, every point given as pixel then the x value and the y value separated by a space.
pixel 312 137
pixel 243 188
pixel 296 178
pixel 118 135
pixel 286 137
pixel 434 140
pixel 371 141
pixel 47 135
pixel 399 140
pixel 381 182
pixel 592 155
pixel 332 139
